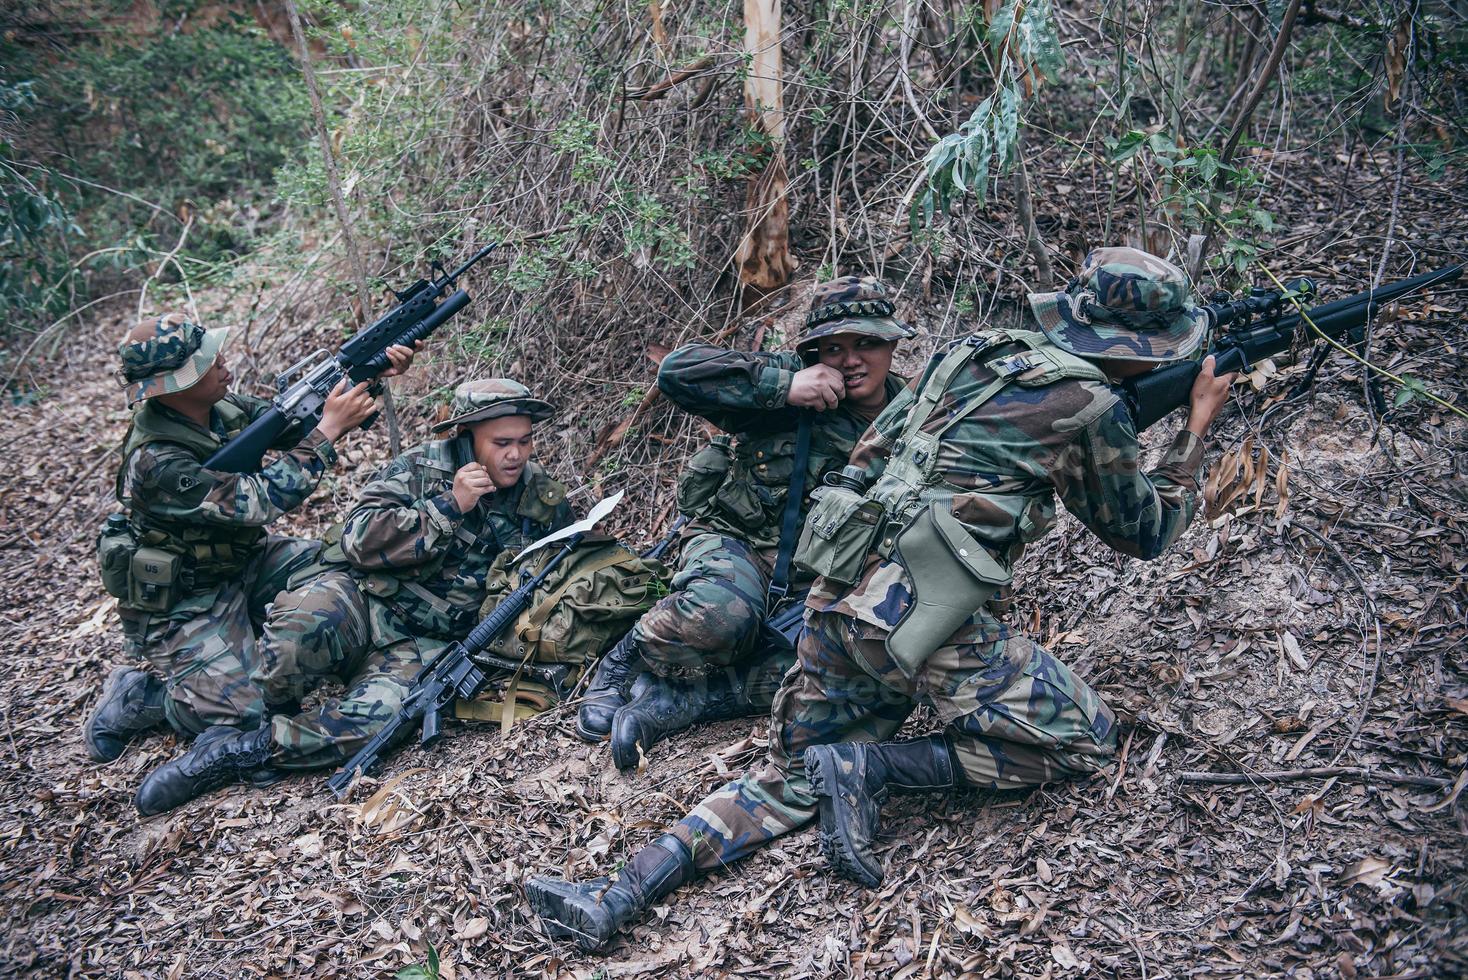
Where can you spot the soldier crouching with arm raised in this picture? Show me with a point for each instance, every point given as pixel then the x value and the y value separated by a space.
pixel 955 478
pixel 405 580
pixel 697 650
pixel 190 561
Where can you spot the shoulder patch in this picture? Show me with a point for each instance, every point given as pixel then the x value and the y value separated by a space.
pixel 186 483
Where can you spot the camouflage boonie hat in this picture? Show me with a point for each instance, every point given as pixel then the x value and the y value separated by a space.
pixel 166 355
pixel 850 304
pixel 1125 304
pixel 493 398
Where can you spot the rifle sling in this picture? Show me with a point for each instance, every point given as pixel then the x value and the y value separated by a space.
pixel 790 523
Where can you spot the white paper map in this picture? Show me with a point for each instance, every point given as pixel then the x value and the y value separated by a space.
pixel 592 519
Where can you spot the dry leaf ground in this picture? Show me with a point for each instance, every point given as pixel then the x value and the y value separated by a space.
pixel 1324 629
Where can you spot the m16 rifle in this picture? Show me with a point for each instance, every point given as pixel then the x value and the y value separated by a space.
pixel 1261 325
pixel 303 388
pixel 464 669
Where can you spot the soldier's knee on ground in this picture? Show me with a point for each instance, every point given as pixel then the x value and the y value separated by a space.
pixel 687 633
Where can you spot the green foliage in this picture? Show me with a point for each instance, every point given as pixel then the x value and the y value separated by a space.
pixel 1204 188
pixel 36 227
pixel 1022 36
pixel 140 121
pixel 428 970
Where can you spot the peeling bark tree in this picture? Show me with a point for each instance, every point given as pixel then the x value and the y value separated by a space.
pixel 763 256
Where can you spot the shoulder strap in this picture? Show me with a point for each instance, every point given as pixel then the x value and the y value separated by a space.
pixel 790 522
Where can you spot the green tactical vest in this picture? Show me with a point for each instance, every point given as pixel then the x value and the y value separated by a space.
pixel 739 486
pixel 906 516
pixel 211 553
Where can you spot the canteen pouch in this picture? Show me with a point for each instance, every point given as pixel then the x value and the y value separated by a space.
pixel 703 476
pixel 952 573
pixel 115 546
pixel 153 580
pixel 838 533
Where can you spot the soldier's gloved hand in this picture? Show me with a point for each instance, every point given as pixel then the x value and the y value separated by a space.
pixel 346 408
pixel 470 483
pixel 1208 397
pixel 819 387
pixel 401 357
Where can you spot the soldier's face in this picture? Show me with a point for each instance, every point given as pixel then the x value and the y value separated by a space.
pixel 202 394
pixel 503 447
pixel 864 363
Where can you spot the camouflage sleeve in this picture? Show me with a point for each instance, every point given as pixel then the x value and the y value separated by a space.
pixel 166 481
pixel 391 528
pixel 1099 479
pixel 735 390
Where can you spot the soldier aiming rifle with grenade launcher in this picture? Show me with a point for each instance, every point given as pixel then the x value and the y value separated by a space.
pixel 305 386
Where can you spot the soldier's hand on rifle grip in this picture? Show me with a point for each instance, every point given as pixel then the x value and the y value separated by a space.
pixel 470 483
pixel 346 408
pixel 400 356
pixel 1210 394
pixel 819 387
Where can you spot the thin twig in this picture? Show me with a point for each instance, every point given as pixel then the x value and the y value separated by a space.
pixel 1364 773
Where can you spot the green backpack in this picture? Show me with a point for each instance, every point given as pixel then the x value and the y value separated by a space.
pixel 584 606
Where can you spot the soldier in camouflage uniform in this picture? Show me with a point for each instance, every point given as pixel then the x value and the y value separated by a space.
pixel 699 648
pixel 405 579
pixel 976 452
pixel 199 630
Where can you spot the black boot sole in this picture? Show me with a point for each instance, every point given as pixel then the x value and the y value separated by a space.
pixel 823 782
pixel 563 919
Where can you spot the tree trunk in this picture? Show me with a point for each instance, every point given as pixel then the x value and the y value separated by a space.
pixel 763 256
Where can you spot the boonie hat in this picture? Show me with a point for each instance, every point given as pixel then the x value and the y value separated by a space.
pixel 493 398
pixel 850 304
pixel 1125 304
pixel 166 355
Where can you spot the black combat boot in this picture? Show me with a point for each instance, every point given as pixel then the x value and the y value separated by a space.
pixel 590 912
pixel 853 779
pixel 662 706
pixel 131 704
pixel 608 689
pixel 220 756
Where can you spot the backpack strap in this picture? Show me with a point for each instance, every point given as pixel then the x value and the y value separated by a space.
pixel 790 522
pixel 542 611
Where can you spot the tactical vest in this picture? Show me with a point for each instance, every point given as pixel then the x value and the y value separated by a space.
pixel 739 486
pixel 417 592
pixel 209 553
pixel 906 516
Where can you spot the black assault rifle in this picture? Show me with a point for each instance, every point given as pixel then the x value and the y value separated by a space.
pixel 1261 325
pixel 304 387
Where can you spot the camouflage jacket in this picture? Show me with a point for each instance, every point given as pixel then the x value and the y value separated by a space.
pixel 738 487
pixel 215 520
pixel 412 547
pixel 1005 464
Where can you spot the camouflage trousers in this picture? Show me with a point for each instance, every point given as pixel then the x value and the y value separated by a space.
pixel 205 645
pixel 331 629
pixel 1014 715
pixel 713 613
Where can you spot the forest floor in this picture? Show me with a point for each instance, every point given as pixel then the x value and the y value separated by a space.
pixel 1321 624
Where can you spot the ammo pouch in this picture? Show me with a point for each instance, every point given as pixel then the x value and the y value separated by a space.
pixel 153 579
pixel 953 574
pixel 839 531
pixel 703 476
pixel 116 543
